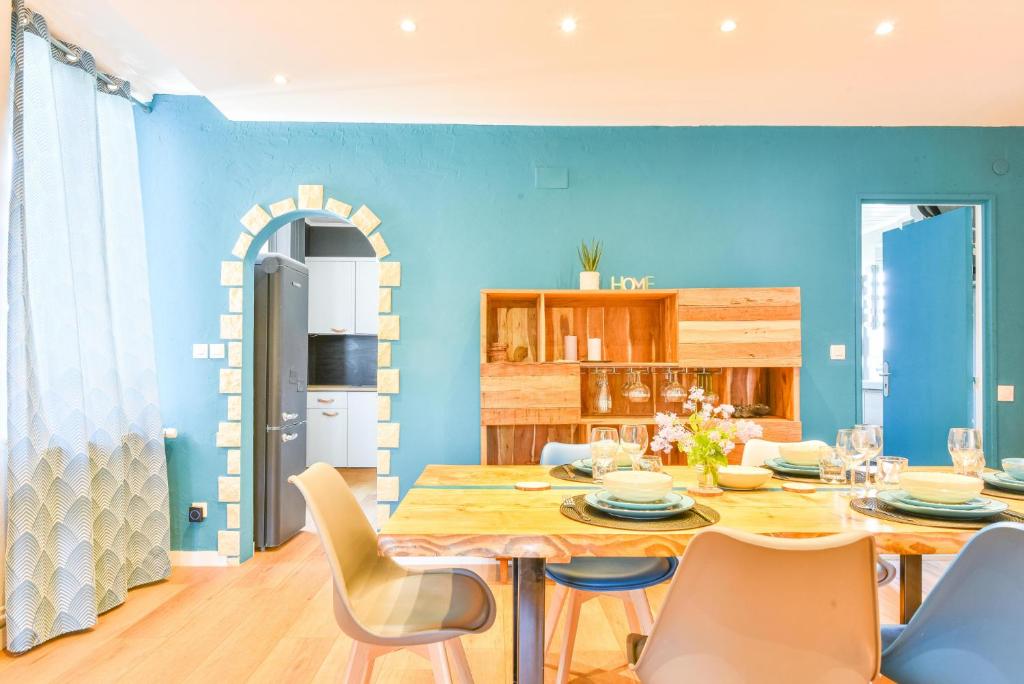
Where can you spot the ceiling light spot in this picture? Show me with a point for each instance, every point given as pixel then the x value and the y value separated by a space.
pixel 568 25
pixel 728 26
pixel 408 25
pixel 885 28
pixel 281 79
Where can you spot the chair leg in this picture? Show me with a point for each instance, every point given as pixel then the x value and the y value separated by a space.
pixel 554 611
pixel 502 569
pixel 439 662
pixel 572 621
pixel 642 609
pixel 459 663
pixel 360 663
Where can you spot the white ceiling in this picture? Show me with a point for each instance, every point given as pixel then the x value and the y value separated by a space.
pixel 664 62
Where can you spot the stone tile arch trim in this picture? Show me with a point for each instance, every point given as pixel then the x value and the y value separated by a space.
pixel 227 440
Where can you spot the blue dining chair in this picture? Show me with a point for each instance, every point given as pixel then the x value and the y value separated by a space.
pixel 968 628
pixel 582 579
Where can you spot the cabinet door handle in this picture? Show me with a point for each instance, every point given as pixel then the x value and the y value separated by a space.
pixel 339 330
pixel 289 416
pixel 330 414
pixel 325 401
pixel 289 436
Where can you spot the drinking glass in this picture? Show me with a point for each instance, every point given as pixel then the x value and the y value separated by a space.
pixel 867 441
pixel 831 466
pixel 634 440
pixel 604 442
pixel 966 451
pixel 889 469
pixel 636 391
pixel 673 392
pixel 847 454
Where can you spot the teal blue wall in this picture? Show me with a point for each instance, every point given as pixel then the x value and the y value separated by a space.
pixel 692 206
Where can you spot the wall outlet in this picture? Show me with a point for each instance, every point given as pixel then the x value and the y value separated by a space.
pixel 217 351
pixel 200 351
pixel 837 352
pixel 1004 393
pixel 197 512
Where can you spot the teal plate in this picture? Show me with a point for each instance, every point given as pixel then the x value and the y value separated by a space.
pixel 782 467
pixel 584 466
pixel 671 499
pixel 1004 481
pixel 971 505
pixel 994 508
pixel 686 504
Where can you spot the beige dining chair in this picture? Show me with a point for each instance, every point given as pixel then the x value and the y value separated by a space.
pixel 382 606
pixel 750 608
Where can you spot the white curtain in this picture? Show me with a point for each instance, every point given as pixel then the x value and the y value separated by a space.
pixel 87 480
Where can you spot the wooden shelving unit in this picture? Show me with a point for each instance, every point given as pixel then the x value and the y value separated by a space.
pixel 748 338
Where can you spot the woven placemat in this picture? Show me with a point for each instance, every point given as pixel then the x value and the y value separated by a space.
pixel 698 516
pixel 1002 493
pixel 795 478
pixel 878 509
pixel 570 474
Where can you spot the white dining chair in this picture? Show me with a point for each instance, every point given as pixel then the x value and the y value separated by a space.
pixel 382 606
pixel 749 608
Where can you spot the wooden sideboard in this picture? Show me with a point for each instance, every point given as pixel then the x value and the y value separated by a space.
pixel 744 341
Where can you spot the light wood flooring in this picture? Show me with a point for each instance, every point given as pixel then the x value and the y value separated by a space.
pixel 271 620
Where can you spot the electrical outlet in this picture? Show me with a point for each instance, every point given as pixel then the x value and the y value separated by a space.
pixel 1004 393
pixel 217 351
pixel 200 351
pixel 837 352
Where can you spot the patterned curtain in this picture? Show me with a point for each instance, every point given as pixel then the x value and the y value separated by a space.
pixel 87 478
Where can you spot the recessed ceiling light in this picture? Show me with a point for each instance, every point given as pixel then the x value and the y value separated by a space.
pixel 885 28
pixel 408 25
pixel 568 25
pixel 281 79
pixel 728 26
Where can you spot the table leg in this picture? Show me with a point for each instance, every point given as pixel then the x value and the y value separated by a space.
pixel 528 620
pixel 910 587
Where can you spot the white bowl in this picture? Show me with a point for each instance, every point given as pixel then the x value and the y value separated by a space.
pixel 638 486
pixel 944 488
pixel 743 477
pixel 801 453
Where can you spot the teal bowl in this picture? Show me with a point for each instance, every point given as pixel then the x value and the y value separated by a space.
pixel 1014 467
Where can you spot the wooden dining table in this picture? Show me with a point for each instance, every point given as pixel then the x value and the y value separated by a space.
pixel 476 511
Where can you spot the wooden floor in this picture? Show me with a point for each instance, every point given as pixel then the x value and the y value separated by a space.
pixel 271 620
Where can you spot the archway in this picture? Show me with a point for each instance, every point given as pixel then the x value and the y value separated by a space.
pixel 234 443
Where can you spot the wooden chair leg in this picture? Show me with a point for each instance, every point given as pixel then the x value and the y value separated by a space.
pixel 360 663
pixel 459 663
pixel 642 608
pixel 572 621
pixel 554 611
pixel 439 662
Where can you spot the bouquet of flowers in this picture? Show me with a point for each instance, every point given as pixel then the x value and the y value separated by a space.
pixel 706 436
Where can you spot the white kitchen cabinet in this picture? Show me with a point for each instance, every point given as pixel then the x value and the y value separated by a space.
pixel 327 436
pixel 362 429
pixel 332 296
pixel 367 299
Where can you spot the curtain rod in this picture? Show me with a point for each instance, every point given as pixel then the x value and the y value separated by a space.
pixel 113 88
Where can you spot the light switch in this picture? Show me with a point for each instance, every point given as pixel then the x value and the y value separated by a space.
pixel 217 351
pixel 837 352
pixel 200 351
pixel 1004 393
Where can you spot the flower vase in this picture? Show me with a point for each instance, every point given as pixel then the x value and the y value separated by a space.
pixel 707 479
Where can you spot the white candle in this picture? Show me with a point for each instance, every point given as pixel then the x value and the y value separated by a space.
pixel 593 349
pixel 569 347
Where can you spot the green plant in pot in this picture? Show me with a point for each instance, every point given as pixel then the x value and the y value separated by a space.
pixel 590 258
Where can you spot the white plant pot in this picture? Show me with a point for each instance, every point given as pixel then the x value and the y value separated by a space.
pixel 590 280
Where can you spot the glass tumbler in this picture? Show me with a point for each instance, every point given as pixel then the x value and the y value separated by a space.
pixel 966 451
pixel 604 444
pixel 889 469
pixel 831 466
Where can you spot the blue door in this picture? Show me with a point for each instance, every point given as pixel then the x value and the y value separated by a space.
pixel 929 340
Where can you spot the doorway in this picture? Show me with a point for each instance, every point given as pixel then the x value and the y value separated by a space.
pixel 921 338
pixel 315 368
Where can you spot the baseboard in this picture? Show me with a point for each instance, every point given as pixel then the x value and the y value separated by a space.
pixel 198 559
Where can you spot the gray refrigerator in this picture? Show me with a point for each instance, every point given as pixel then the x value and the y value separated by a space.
pixel 280 366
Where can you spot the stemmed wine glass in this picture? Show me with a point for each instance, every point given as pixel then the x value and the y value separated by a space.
pixel 635 390
pixel 634 440
pixel 966 451
pixel 673 392
pixel 867 440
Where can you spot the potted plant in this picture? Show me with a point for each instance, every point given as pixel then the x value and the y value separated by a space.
pixel 706 436
pixel 590 257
